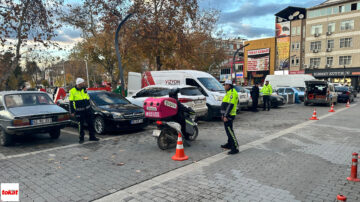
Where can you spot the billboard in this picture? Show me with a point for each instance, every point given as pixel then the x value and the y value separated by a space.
pixel 283 29
pixel 258 60
pixel 283 50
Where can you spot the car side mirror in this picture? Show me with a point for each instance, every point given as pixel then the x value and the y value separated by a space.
pixel 2 108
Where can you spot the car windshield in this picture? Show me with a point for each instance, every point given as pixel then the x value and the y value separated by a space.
pixel 154 92
pixel 105 98
pixel 317 88
pixel 301 89
pixel 27 99
pixel 190 91
pixel 341 88
pixel 211 84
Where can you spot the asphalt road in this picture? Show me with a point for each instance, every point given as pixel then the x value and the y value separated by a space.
pixel 45 168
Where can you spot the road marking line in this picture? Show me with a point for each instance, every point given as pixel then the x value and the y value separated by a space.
pixel 143 186
pixel 70 132
pixel 339 127
pixel 53 149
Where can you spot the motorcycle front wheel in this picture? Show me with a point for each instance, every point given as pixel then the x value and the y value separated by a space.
pixel 167 139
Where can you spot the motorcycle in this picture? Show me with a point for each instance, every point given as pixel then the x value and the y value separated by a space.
pixel 167 132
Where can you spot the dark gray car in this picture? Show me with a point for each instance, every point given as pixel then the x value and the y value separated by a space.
pixel 28 112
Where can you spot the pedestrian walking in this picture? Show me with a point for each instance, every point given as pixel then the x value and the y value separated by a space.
pixel 255 97
pixel 80 107
pixel 266 91
pixel 228 111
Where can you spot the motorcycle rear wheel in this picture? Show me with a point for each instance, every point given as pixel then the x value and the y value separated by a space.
pixel 167 139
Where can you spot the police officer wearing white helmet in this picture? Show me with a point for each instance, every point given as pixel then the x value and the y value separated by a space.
pixel 228 111
pixel 80 105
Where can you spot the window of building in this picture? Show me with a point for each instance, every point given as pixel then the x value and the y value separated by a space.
pixel 297 62
pixel 345 42
pixel 341 9
pixel 314 62
pixel 295 46
pixel 316 45
pixel 347 25
pixel 345 60
pixel 330 44
pixel 354 7
pixel 293 61
pixel 329 61
pixel 316 29
pixel 331 27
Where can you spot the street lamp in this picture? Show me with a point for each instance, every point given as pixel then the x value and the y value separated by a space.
pixel 233 62
pixel 288 59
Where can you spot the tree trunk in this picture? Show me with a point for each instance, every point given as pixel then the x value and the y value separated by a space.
pixel 158 63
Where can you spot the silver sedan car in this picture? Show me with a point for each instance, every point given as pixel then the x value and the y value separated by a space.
pixel 28 112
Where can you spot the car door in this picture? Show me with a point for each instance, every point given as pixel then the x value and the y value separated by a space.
pixel 280 92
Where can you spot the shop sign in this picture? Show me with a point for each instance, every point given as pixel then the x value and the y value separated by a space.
pixel 332 74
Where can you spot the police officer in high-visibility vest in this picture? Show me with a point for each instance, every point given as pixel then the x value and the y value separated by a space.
pixel 80 106
pixel 228 111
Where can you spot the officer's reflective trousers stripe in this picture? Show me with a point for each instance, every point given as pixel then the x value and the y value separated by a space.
pixel 232 141
pixel 233 137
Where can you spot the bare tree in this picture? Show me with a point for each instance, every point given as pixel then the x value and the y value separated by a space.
pixel 27 21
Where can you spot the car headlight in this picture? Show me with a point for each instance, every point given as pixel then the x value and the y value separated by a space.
pixel 117 115
pixel 218 98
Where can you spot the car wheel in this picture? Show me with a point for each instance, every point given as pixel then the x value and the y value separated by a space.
pixel 5 138
pixel 306 103
pixel 55 134
pixel 99 125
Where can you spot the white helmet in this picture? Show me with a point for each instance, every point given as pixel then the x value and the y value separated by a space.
pixel 228 81
pixel 79 81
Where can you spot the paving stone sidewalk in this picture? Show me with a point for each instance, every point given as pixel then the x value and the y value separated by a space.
pixel 309 164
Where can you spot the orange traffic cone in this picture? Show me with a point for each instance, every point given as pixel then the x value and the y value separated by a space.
pixel 180 153
pixel 332 108
pixel 348 104
pixel 314 115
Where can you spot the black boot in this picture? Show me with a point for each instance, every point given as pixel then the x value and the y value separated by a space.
pixel 225 146
pixel 235 151
pixel 94 138
pixel 81 140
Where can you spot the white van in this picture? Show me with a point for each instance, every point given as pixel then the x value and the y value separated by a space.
pixel 207 84
pixel 292 80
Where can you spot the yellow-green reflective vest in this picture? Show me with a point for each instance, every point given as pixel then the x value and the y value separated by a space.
pixel 231 98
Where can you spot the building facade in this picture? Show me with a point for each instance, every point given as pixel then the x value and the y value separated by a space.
pixel 259 60
pixel 290 40
pixel 226 71
pixel 332 47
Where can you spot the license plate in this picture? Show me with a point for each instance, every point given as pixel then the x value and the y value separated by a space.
pixel 242 97
pixel 198 101
pixel 41 121
pixel 137 121
pixel 156 133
